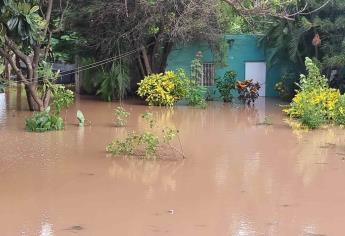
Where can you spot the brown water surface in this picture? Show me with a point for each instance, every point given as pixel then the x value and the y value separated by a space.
pixel 239 178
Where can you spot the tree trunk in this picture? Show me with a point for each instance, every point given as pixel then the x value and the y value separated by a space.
pixel 35 103
pixel 146 61
pixel 19 96
pixel 30 99
pixel 141 67
pixel 155 56
pixel 165 54
pixel 7 70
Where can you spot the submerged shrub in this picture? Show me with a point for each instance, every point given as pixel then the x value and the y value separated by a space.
pixel 248 90
pixel 320 99
pixel 226 85
pixel 315 103
pixel 196 95
pixel 121 116
pixel 47 120
pixel 44 121
pixel 146 142
pixel 286 86
pixel 62 97
pixel 164 89
pixel 313 117
pixel 313 79
pixel 339 111
pixel 80 118
pixel 196 68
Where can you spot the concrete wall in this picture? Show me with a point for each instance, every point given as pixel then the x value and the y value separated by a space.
pixel 244 49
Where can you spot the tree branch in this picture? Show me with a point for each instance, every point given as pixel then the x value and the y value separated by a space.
pixel 265 9
pixel 19 73
pixel 21 56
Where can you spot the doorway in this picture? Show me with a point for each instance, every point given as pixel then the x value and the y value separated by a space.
pixel 257 72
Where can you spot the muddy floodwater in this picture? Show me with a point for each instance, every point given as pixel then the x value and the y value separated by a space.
pixel 240 177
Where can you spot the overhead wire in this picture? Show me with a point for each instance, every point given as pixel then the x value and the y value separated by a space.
pixel 89 66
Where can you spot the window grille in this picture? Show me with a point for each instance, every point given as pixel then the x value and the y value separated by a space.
pixel 208 74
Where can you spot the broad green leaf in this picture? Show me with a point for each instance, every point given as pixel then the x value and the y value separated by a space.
pixel 34 9
pixel 12 23
pixel 81 118
pixel 2 69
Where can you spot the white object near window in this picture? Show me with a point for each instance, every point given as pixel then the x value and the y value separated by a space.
pixel 257 72
pixel 208 74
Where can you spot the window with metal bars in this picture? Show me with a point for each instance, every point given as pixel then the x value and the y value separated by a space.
pixel 208 74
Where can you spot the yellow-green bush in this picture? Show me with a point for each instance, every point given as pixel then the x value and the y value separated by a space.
pixel 339 111
pixel 323 99
pixel 164 89
pixel 315 102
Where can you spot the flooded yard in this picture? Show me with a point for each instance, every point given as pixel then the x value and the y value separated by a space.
pixel 239 178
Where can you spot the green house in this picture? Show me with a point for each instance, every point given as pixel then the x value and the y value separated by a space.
pixel 244 56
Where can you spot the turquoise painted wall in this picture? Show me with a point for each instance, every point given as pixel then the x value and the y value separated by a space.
pixel 244 49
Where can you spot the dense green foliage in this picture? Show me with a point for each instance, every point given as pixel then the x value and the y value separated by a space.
pixel 226 84
pixel 48 120
pixel 196 71
pixel 287 85
pixel 339 111
pixel 114 84
pixel 65 46
pixel 319 35
pixel 110 83
pixel 196 95
pixel 62 98
pixel 22 33
pixel 23 19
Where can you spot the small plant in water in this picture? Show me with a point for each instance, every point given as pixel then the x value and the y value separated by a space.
pixel 226 85
pixel 146 141
pixel 248 91
pixel 81 118
pixel 148 117
pixel 44 121
pixel 150 142
pixel 196 95
pixel 121 116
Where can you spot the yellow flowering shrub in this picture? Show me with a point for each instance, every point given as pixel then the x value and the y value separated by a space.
pixel 322 99
pixel 315 102
pixel 164 89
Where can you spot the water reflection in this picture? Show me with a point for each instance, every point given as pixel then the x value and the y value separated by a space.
pixel 149 173
pixel 46 229
pixel 241 226
pixel 2 109
pixel 315 149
